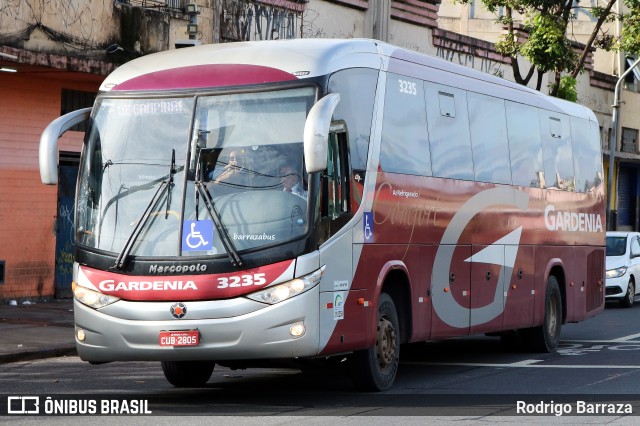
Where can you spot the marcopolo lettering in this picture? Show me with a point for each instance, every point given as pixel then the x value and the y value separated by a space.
pixel 159 269
pixel 112 285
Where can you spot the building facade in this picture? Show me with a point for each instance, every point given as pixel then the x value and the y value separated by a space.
pixel 57 53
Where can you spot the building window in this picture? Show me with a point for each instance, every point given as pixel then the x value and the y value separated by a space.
pixel 629 140
pixel 73 100
pixel 632 80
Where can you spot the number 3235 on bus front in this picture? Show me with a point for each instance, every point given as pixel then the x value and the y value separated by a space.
pixel 242 280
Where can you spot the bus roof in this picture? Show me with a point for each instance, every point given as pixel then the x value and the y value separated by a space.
pixel 295 58
pixel 256 62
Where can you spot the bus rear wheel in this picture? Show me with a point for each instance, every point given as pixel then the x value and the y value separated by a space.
pixel 187 374
pixel 545 338
pixel 375 369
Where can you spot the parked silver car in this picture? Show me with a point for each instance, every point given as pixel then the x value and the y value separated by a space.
pixel 623 267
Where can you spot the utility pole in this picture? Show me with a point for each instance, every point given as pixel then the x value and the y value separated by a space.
pixel 613 141
pixel 378 17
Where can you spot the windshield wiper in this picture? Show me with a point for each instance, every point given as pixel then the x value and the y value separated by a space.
pixel 203 192
pixel 172 171
pixel 165 186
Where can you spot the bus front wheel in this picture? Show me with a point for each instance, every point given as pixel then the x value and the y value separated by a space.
pixel 375 369
pixel 187 374
pixel 545 338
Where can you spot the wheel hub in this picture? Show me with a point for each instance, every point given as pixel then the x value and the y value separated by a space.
pixel 386 343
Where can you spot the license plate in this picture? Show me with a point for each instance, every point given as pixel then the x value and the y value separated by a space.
pixel 180 338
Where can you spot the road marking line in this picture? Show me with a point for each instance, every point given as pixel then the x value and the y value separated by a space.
pixel 526 362
pixel 620 340
pixel 528 365
pixel 624 339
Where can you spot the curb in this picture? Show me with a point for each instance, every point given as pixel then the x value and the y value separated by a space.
pixel 39 354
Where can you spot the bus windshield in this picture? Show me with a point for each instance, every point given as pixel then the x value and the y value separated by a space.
pixel 193 176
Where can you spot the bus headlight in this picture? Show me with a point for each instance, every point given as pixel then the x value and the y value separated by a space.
pixel 278 293
pixel 92 298
pixel 618 272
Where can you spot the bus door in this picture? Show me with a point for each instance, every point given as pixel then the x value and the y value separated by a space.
pixel 341 319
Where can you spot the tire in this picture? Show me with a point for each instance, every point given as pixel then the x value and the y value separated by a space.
pixel 375 369
pixel 545 338
pixel 628 299
pixel 187 374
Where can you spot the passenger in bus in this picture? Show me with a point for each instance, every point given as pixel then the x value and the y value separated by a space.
pixel 232 169
pixel 292 182
pixel 232 178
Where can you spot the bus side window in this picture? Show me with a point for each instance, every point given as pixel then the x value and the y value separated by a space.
pixel 405 142
pixel 525 145
pixel 557 151
pixel 488 128
pixel 448 128
pixel 585 139
pixel 335 183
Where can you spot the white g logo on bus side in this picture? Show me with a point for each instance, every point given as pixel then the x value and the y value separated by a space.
pixel 447 308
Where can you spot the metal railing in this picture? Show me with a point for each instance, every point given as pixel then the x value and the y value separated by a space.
pixel 176 5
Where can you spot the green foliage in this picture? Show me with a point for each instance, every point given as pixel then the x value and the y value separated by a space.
pixel 548 47
pixel 630 41
pixel 567 89
pixel 545 37
pixel 507 46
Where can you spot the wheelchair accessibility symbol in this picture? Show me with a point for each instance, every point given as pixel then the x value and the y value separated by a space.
pixel 368 227
pixel 197 235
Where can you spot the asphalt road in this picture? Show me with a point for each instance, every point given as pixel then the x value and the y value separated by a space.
pixel 469 378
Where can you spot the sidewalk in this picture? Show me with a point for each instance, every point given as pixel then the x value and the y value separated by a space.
pixel 36 330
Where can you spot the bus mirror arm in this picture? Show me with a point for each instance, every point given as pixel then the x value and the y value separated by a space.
pixel 48 153
pixel 316 133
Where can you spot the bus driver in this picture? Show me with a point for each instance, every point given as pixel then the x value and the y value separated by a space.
pixel 292 182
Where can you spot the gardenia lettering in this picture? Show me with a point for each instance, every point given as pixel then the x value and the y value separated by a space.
pixel 112 285
pixel 570 221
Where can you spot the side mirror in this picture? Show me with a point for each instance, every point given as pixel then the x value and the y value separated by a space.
pixel 316 133
pixel 49 143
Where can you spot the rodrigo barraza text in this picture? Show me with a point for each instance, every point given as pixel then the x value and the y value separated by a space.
pixel 580 407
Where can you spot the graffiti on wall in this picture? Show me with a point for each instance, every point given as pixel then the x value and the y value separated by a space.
pixel 77 24
pixel 244 20
pixel 469 56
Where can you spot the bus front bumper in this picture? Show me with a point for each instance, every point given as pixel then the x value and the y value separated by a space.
pixel 228 330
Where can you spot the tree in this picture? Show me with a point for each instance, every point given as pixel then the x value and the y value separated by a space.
pixel 545 39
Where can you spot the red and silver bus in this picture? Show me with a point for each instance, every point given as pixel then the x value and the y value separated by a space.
pixel 307 199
